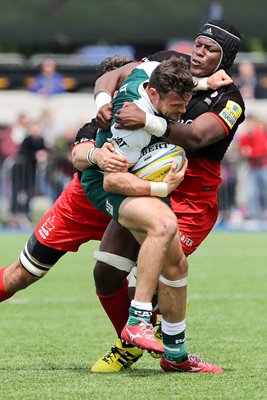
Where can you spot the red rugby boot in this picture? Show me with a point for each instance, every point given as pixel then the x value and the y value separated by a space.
pixel 191 364
pixel 141 335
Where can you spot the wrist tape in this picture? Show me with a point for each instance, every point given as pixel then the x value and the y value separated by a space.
pixel 102 98
pixel 155 125
pixel 202 83
pixel 158 189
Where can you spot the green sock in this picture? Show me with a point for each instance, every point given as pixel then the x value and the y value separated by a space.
pixel 174 347
pixel 136 314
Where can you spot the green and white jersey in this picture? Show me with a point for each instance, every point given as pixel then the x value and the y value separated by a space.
pixel 126 142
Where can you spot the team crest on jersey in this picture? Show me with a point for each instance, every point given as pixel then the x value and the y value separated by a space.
pixel 231 113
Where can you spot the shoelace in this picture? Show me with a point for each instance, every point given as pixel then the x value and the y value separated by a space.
pixel 108 357
pixel 115 350
pixel 195 358
pixel 147 329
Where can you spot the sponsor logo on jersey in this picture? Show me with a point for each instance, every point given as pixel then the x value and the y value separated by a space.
pixel 231 113
pixel 124 88
pixel 120 142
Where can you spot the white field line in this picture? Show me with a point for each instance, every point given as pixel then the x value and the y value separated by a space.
pixel 191 297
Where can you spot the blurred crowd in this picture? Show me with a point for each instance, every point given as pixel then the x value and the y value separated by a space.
pixel 35 161
pixel 243 193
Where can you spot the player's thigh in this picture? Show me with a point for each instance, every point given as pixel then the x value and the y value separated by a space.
pixel 145 213
pixel 37 259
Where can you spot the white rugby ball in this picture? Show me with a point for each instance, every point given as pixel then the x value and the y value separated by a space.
pixel 156 160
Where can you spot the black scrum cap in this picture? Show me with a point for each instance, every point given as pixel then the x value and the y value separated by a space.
pixel 226 36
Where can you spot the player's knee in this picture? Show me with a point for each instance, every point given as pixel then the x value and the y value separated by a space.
pixel 166 228
pixel 34 267
pixel 183 265
pixel 108 279
pixel 110 271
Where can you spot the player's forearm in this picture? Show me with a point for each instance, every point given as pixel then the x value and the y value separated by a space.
pixel 126 183
pixel 110 81
pixel 203 131
pixel 79 155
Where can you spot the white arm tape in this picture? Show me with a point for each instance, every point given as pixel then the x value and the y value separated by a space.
pixel 102 98
pixel 155 125
pixel 158 189
pixel 179 283
pixel 90 156
pixel 202 83
pixel 121 263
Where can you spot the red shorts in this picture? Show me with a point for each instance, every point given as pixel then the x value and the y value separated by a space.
pixel 196 218
pixel 71 221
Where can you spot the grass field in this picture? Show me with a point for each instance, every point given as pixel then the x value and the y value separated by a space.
pixel 55 330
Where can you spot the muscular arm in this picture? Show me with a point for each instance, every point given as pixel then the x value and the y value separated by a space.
pixel 110 81
pixel 105 157
pixel 126 183
pixel 79 155
pixel 130 185
pixel 204 130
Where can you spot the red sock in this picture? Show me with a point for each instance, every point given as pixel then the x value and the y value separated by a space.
pixel 4 295
pixel 116 306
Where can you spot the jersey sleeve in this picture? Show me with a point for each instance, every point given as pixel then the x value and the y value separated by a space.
pixel 86 133
pixel 148 67
pixel 229 109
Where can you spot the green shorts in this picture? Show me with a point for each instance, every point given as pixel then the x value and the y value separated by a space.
pixel 109 203
pixel 92 184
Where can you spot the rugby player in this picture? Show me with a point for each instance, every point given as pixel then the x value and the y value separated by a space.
pixel 165 88
pixel 206 130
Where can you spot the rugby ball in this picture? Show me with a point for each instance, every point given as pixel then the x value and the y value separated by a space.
pixel 156 160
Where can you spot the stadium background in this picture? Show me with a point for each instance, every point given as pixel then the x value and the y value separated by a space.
pixel 78 35
pixel 49 335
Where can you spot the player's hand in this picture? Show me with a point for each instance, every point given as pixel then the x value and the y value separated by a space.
pixel 104 116
pixel 174 178
pixel 219 79
pixel 108 160
pixel 130 116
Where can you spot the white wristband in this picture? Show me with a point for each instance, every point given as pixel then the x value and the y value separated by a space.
pixel 102 98
pixel 158 189
pixel 155 125
pixel 90 156
pixel 202 83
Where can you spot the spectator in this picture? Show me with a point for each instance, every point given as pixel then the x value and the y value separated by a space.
pixel 32 150
pixel 248 82
pixel 253 147
pixel 12 136
pixel 49 81
pixel 51 130
pixel 60 168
